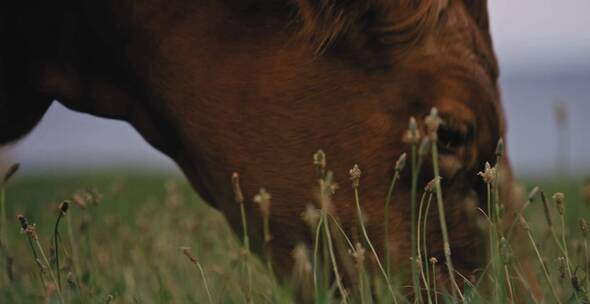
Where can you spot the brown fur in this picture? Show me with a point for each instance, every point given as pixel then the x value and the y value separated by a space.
pixel 258 86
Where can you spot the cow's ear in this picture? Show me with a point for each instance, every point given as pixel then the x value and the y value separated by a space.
pixel 367 26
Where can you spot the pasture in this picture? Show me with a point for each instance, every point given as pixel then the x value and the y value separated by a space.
pixel 129 238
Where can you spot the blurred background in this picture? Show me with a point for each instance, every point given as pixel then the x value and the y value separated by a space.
pixel 544 51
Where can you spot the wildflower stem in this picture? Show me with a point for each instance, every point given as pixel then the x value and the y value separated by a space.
pixel 434 283
pixel 56 247
pixel 586 266
pixel 74 248
pixel 425 276
pixel 36 257
pixel 424 225
pixel 443 224
pixel 414 186
pixel 386 220
pixel 202 272
pixel 366 236
pixel 545 271
pixel 46 261
pixel 267 238
pixel 316 246
pixel 334 264
pixel 247 247
pixel 510 290
pixel 341 230
pixel 565 250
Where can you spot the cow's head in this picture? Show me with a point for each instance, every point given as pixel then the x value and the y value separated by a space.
pixel 258 86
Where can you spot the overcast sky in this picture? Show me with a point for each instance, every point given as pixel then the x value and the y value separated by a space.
pixel 534 35
pixel 544 51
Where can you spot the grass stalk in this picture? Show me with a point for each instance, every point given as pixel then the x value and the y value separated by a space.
pixel 424 226
pixel 34 239
pixel 443 225
pixel 63 207
pixel 583 224
pixel 355 176
pixel 508 281
pixel 4 243
pixel 239 198
pixel 199 267
pixel 334 262
pixel 74 248
pixel 399 165
pixel 433 261
pixel 526 227
pixel 247 251
pixel 414 186
pixel 419 243
pixel 316 246
pixel 37 262
pixel 341 230
pixel 48 266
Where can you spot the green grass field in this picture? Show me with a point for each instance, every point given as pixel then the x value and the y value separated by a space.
pixel 126 244
pixel 126 247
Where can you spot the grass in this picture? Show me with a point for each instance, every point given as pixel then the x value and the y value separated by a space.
pixel 121 238
pixel 130 245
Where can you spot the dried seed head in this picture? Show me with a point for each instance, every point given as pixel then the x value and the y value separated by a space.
pixel 311 216
pixel 489 174
pixel 358 254
pixel 333 187
pixel 79 200
pixel 412 134
pixel 559 199
pixel 302 266
pixel 187 252
pixel 419 263
pixel 533 193
pixel 424 147
pixel 432 122
pixel 355 176
pixel 24 224
pixel 63 207
pixel 431 185
pixel 263 200
pixel 584 227
pixel 26 227
pixel 433 260
pixel 235 181
pixel 400 163
pixel 319 160
pixel 327 188
pixel 500 148
pixel 505 252
pixel 11 171
pixel 561 261
pixel 93 196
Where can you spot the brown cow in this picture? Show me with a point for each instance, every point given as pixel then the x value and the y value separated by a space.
pixel 257 86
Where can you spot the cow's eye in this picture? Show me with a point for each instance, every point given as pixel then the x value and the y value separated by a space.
pixel 453 136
